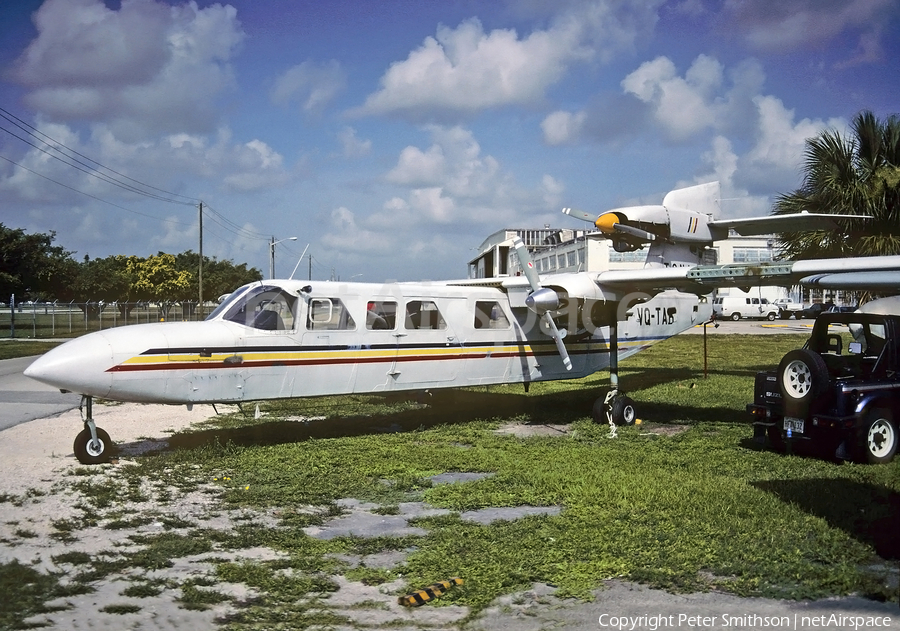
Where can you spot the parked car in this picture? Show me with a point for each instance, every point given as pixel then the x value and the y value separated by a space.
pixel 839 394
pixel 788 308
pixel 815 310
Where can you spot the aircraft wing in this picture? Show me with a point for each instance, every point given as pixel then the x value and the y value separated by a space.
pixel 876 272
pixel 794 222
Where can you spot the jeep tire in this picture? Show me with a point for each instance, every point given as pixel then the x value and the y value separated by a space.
pixel 802 377
pixel 877 437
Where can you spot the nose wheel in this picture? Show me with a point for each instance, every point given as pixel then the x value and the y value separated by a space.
pixel 92 444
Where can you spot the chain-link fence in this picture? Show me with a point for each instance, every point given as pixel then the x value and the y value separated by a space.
pixel 46 319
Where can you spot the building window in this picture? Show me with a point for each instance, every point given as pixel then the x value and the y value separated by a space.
pixel 637 256
pixel 753 255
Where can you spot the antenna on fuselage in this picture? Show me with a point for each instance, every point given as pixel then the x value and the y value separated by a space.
pixel 291 277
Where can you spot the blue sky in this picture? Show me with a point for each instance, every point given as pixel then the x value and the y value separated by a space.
pixel 394 136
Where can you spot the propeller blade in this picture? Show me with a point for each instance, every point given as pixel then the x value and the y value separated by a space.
pixel 635 232
pixel 527 264
pixel 558 338
pixel 580 214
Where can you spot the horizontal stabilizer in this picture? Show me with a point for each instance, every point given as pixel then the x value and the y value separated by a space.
pixel 795 222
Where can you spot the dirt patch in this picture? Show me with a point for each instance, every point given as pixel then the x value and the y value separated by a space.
pixel 527 430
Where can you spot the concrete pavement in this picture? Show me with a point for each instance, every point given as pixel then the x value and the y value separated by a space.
pixel 23 399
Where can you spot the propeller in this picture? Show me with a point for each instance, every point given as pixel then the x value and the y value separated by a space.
pixel 542 300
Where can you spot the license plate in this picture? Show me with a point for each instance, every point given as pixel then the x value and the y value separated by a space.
pixel 793 424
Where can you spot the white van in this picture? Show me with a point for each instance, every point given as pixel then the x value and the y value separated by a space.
pixel 743 306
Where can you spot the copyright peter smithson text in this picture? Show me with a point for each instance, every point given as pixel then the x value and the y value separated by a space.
pixel 743 621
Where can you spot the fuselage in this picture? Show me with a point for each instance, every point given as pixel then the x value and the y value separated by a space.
pixel 285 338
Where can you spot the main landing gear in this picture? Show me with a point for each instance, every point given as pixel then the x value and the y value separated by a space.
pixel 616 408
pixel 92 445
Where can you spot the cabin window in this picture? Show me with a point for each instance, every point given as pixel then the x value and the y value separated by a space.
pixel 329 314
pixel 423 314
pixel 264 307
pixel 381 315
pixel 489 315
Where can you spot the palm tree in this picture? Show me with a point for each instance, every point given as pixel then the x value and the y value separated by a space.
pixel 858 174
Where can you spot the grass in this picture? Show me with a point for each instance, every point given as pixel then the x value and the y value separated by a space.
pixel 696 509
pixel 14 348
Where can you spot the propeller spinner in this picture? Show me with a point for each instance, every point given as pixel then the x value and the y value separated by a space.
pixel 542 300
pixel 612 224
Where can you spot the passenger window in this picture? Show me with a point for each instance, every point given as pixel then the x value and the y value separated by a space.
pixel 423 314
pixel 329 314
pixel 381 315
pixel 489 315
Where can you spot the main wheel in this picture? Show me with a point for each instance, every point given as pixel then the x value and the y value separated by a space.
pixel 878 437
pixel 735 316
pixel 89 452
pixel 623 411
pixel 802 376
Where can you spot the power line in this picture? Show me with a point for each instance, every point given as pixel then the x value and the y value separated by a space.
pixel 99 199
pixel 94 171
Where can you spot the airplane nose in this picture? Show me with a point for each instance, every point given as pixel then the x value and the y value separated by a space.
pixel 79 365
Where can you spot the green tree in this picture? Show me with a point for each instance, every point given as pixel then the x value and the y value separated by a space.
pixel 157 279
pixel 854 174
pixel 104 280
pixel 219 277
pixel 32 268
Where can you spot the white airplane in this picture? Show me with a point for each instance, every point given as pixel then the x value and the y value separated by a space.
pixel 287 338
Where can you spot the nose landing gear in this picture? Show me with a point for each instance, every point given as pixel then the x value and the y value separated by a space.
pixel 92 444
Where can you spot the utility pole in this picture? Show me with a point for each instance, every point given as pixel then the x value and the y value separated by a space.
pixel 272 257
pixel 200 272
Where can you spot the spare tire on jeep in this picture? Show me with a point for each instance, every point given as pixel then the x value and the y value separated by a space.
pixel 802 377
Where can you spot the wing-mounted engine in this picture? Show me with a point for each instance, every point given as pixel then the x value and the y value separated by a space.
pixel 683 217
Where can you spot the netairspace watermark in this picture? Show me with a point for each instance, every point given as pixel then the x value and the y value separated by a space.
pixel 796 622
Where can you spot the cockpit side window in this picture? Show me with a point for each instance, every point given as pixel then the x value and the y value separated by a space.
pixel 329 314
pixel 265 308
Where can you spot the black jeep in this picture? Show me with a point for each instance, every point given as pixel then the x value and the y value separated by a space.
pixel 840 393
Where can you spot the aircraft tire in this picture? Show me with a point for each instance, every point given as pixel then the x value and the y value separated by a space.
pixel 88 453
pixel 623 411
pixel 877 442
pixel 598 412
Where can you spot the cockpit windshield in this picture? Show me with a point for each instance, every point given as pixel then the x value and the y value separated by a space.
pixel 262 307
pixel 227 302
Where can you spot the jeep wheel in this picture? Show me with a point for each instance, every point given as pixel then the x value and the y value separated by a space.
pixel 802 376
pixel 878 438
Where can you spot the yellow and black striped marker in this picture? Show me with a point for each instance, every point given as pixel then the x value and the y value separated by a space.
pixel 432 591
